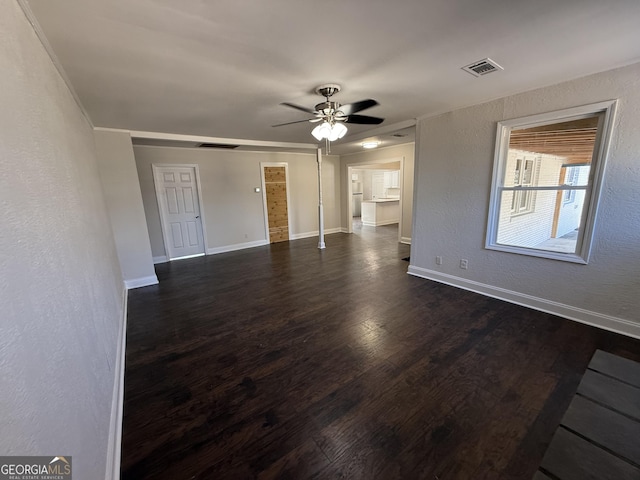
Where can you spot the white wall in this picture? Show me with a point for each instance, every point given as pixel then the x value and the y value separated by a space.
pixel 376 156
pixel 233 212
pixel 61 289
pixel 455 160
pixel 124 202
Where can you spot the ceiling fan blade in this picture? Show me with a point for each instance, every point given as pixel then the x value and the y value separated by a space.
pixel 297 121
pixel 364 120
pixel 351 108
pixel 298 107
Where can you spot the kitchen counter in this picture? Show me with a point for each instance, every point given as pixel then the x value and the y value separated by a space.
pixel 382 200
pixel 380 211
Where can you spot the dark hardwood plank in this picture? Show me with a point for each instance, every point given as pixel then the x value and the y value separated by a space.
pixel 540 476
pixel 284 361
pixel 570 457
pixel 612 393
pixel 605 427
pixel 617 367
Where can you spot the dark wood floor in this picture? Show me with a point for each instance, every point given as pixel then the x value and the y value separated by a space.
pixel 289 362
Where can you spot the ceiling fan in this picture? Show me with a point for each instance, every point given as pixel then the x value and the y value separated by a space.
pixel 334 115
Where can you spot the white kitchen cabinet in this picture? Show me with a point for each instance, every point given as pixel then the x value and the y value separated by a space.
pixel 392 179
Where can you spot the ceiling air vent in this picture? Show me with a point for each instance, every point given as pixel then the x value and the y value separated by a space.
pixel 218 145
pixel 399 135
pixel 482 67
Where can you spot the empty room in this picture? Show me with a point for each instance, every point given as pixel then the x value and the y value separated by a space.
pixel 272 240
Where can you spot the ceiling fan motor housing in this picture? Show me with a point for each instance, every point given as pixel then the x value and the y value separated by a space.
pixel 328 108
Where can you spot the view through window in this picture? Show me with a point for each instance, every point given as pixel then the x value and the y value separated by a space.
pixel 544 184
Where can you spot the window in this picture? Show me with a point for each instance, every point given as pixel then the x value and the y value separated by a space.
pixel 572 175
pixel 547 176
pixel 522 201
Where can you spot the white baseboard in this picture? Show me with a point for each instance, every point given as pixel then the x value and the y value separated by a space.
pixel 344 230
pixel 114 446
pixel 141 282
pixel 405 240
pixel 236 246
pixel 600 320
pixel 328 231
pixel 160 259
pixel 379 224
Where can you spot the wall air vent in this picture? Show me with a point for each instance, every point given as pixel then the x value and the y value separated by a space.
pixel 218 145
pixel 482 67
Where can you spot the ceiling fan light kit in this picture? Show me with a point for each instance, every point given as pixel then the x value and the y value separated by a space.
pixel 329 131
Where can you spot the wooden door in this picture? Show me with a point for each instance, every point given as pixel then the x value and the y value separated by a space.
pixel 177 192
pixel 275 187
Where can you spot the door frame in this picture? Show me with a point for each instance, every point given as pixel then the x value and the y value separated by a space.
pixel 363 166
pixel 155 167
pixel 264 197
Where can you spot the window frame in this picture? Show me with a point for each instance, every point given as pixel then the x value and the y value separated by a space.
pixel 593 189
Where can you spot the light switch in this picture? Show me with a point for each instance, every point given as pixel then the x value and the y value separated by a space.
pixel 256 189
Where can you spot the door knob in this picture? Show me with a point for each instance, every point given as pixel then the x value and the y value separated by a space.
pixel 197 216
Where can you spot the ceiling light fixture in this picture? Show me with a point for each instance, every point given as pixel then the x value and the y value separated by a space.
pixel 370 144
pixel 331 130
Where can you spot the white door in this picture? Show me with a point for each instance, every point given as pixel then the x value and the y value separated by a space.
pixel 177 192
pixel 377 185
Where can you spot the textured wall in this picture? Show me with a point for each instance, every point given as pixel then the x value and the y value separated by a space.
pixel 233 212
pixel 61 289
pixel 378 155
pixel 456 152
pixel 124 201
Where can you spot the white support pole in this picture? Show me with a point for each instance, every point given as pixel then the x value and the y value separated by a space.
pixel 321 244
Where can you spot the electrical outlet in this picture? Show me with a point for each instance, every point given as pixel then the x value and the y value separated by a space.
pixel 464 263
pixel 438 260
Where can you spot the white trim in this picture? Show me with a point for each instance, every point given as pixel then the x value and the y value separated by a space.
pixel 141 282
pixel 220 140
pixel 188 256
pixel 600 320
pixel 405 240
pixel 315 233
pixel 112 130
pixel 114 445
pixel 381 223
pixel 160 259
pixel 236 246
pixel 260 243
pixel 155 168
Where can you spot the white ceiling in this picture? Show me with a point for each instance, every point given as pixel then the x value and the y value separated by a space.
pixel 221 68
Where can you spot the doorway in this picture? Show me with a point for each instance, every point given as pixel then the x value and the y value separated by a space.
pixel 178 195
pixel 375 188
pixel 275 188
